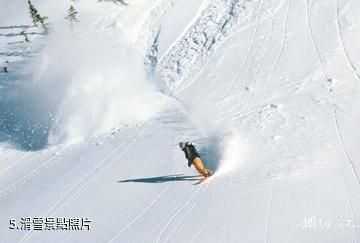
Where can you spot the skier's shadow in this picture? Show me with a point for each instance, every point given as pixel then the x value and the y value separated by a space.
pixel 162 179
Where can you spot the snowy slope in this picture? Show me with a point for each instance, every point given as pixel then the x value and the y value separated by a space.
pixel 268 90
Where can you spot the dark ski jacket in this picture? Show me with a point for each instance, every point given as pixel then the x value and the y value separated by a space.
pixel 191 153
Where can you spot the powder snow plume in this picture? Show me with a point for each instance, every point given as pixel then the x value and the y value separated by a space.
pixel 221 145
pixel 233 154
pixel 97 81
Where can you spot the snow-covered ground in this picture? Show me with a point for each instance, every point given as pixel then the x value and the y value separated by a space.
pixel 91 117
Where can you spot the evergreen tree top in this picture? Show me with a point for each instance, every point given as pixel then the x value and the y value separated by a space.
pixel 72 14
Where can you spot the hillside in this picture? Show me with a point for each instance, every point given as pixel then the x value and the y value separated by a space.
pixel 91 115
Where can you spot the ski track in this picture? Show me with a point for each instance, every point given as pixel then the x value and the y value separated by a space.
pixel 136 218
pixel 96 201
pixel 198 233
pixel 252 41
pixel 29 175
pixel 326 76
pixel 337 126
pixel 14 163
pixel 282 48
pixel 308 14
pixel 271 203
pixel 178 211
pixel 268 217
pixel 82 188
pixel 98 169
pixel 346 190
pixel 353 13
pixel 341 35
pixel 184 110
pixel 333 105
pixel 145 239
pixel 344 147
pixel 339 134
pixel 226 207
pixel 140 215
pixel 180 222
pixel 270 35
pixel 134 221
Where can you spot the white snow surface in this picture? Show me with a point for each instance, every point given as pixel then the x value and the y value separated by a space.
pixel 91 116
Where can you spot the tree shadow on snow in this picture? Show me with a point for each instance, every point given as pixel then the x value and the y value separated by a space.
pixel 162 179
pixel 15 27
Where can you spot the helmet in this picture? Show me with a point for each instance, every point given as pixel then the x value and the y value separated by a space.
pixel 182 145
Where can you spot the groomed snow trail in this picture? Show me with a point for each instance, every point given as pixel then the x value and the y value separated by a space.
pixel 270 96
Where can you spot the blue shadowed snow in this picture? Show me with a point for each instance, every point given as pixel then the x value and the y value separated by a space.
pixel 25 119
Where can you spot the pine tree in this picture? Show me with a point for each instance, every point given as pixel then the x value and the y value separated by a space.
pixel 41 20
pixel 72 13
pixel 33 12
pixel 36 17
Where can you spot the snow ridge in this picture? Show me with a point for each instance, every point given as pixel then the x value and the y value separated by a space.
pixel 191 52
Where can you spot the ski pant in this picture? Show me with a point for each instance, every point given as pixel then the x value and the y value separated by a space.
pixel 199 166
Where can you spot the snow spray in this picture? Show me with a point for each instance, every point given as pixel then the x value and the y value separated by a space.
pixel 97 81
pixel 233 153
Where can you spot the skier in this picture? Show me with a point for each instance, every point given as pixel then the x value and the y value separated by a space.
pixel 193 157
